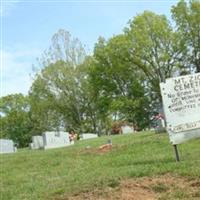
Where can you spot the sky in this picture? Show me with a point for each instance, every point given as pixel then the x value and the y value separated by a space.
pixel 27 28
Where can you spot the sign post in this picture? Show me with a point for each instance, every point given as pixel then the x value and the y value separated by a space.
pixel 181 101
pixel 176 153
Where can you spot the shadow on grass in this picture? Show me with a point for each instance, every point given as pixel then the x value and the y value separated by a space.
pixel 146 162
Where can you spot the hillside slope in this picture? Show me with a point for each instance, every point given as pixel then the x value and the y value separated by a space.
pixel 50 174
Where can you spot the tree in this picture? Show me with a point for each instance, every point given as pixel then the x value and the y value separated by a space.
pixel 43 115
pixel 55 94
pixel 96 103
pixel 118 81
pixel 187 18
pixel 56 88
pixel 154 49
pixel 65 48
pixel 15 118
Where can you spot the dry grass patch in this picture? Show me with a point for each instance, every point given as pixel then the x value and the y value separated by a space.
pixel 166 187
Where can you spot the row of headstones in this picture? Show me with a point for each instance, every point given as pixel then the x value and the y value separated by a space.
pixel 48 140
pixel 51 140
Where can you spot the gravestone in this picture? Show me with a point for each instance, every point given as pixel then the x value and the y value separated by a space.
pixel 160 126
pixel 37 142
pixel 127 129
pixel 55 139
pixel 7 146
pixel 85 136
pixel 181 99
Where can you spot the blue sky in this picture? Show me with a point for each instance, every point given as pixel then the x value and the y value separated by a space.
pixel 27 27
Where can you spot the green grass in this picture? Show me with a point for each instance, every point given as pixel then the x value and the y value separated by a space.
pixel 40 175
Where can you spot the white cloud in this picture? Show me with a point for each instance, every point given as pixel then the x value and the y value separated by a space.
pixel 16 69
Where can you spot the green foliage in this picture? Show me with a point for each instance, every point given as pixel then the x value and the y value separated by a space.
pixel 62 94
pixel 96 110
pixel 153 48
pixel 15 120
pixel 120 81
pixel 187 18
pixel 116 78
pixel 56 94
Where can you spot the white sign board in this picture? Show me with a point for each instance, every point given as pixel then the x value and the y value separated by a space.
pixel 181 100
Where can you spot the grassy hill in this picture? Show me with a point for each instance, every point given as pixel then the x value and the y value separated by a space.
pixel 57 173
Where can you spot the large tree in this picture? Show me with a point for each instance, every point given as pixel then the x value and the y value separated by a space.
pixel 154 48
pixel 60 93
pixel 187 18
pixel 62 96
pixel 119 81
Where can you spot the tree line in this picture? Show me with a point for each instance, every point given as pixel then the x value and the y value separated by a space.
pixel 118 82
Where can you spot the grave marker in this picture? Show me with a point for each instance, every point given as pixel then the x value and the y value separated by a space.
pixel 127 129
pixel 85 136
pixel 37 142
pixel 55 139
pixel 7 146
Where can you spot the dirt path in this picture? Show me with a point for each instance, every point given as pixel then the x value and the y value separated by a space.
pixel 165 187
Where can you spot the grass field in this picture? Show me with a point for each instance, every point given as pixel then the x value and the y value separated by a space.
pixel 53 174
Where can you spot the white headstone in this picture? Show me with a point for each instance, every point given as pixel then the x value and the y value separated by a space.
pixel 55 139
pixel 37 142
pixel 7 146
pixel 86 136
pixel 127 129
pixel 181 99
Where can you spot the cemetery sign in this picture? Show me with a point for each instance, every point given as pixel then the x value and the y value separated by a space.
pixel 181 100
